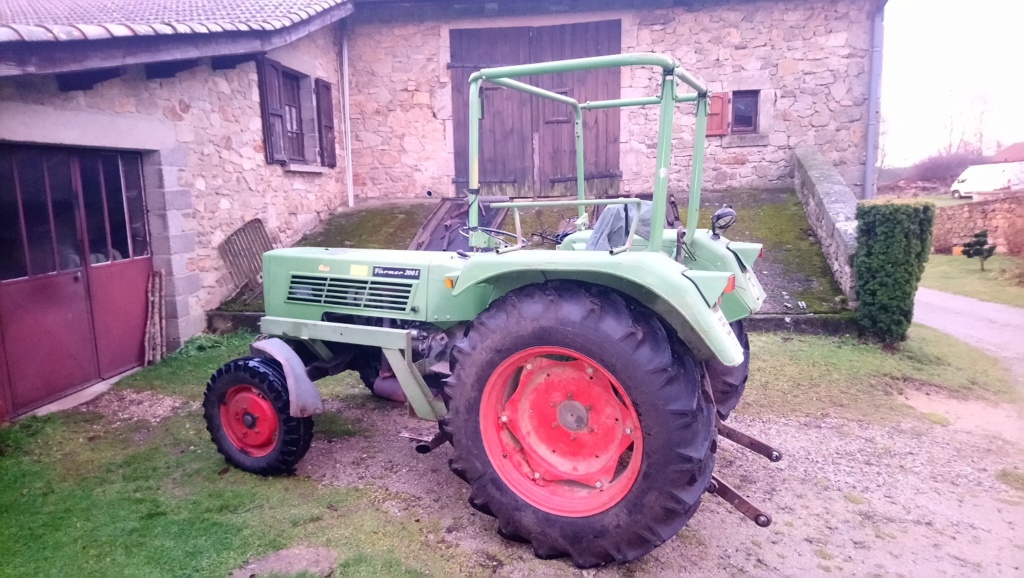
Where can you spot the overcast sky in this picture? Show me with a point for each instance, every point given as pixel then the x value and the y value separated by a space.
pixel 945 60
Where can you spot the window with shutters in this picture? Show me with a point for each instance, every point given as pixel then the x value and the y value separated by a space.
pixel 298 117
pixel 744 111
pixel 294 147
pixel 733 113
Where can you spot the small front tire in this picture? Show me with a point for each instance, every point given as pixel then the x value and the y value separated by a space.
pixel 246 409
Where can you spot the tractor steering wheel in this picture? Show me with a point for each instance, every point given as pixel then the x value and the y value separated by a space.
pixel 497 234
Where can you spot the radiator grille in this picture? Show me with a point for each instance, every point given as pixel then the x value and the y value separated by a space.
pixel 354 293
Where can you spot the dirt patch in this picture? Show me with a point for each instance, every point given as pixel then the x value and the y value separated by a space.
pixel 969 415
pixel 291 561
pixel 123 406
pixel 847 498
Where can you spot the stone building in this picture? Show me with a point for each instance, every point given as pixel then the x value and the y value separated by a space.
pixel 786 73
pixel 139 134
pixel 132 138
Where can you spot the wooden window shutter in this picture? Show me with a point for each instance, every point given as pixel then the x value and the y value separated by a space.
pixel 272 109
pixel 325 123
pixel 718 115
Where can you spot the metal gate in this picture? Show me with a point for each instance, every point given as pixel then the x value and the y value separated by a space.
pixel 527 147
pixel 74 264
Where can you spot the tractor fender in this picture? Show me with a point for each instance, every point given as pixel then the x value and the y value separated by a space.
pixel 653 279
pixel 303 397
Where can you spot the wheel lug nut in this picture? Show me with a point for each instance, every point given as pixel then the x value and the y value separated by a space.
pixel 598 485
pixel 629 431
pixel 504 419
pixel 568 395
pixel 590 370
pixel 529 366
pixel 554 424
pixel 536 475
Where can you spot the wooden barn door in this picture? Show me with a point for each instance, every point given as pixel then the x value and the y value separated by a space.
pixel 527 147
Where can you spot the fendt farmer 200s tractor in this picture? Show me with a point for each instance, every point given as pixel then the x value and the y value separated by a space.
pixel 582 391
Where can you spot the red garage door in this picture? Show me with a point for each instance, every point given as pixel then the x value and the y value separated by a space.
pixel 74 265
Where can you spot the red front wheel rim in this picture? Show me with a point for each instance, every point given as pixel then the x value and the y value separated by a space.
pixel 250 420
pixel 560 431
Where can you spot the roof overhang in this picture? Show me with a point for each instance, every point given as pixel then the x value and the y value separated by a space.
pixel 33 57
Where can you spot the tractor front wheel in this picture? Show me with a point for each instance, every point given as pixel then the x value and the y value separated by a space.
pixel 578 425
pixel 246 410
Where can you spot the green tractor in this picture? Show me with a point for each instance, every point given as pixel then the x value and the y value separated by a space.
pixel 583 391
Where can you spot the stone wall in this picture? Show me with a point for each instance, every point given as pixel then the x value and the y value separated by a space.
pixel 956 224
pixel 208 174
pixel 808 58
pixel 832 212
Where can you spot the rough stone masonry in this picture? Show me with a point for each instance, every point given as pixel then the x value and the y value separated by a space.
pixel 808 59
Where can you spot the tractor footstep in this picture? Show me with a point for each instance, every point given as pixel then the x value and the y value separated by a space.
pixel 750 442
pixel 734 499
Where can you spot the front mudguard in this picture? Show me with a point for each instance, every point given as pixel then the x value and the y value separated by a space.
pixel 303 397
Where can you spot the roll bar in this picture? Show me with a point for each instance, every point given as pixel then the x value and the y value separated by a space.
pixel 671 72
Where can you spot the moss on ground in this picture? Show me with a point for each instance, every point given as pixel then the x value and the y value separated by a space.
pixel 775 218
pixel 778 220
pixel 384 227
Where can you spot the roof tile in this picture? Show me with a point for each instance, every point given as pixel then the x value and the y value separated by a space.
pixel 48 20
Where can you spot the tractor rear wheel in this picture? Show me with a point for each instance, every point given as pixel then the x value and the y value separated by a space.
pixel 247 414
pixel 729 383
pixel 577 423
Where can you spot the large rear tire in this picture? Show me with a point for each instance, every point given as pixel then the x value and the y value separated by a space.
pixel 247 414
pixel 577 423
pixel 729 383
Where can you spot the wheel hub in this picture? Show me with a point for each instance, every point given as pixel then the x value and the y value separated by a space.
pixel 564 434
pixel 572 415
pixel 249 420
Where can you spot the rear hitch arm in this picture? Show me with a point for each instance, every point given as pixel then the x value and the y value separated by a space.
pixel 734 499
pixel 751 443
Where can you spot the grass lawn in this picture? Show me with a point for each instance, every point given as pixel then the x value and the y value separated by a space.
pixel 826 376
pixel 945 200
pixel 963 276
pixel 82 497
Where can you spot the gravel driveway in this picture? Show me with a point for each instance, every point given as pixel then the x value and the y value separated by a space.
pixel 848 498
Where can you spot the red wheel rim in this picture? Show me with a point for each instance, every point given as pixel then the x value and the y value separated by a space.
pixel 560 431
pixel 249 420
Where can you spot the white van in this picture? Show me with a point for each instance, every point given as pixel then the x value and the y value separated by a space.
pixel 989 178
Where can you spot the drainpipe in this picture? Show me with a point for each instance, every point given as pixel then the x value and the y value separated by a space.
pixel 348 117
pixel 874 101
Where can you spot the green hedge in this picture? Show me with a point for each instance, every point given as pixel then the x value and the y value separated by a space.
pixel 893 243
